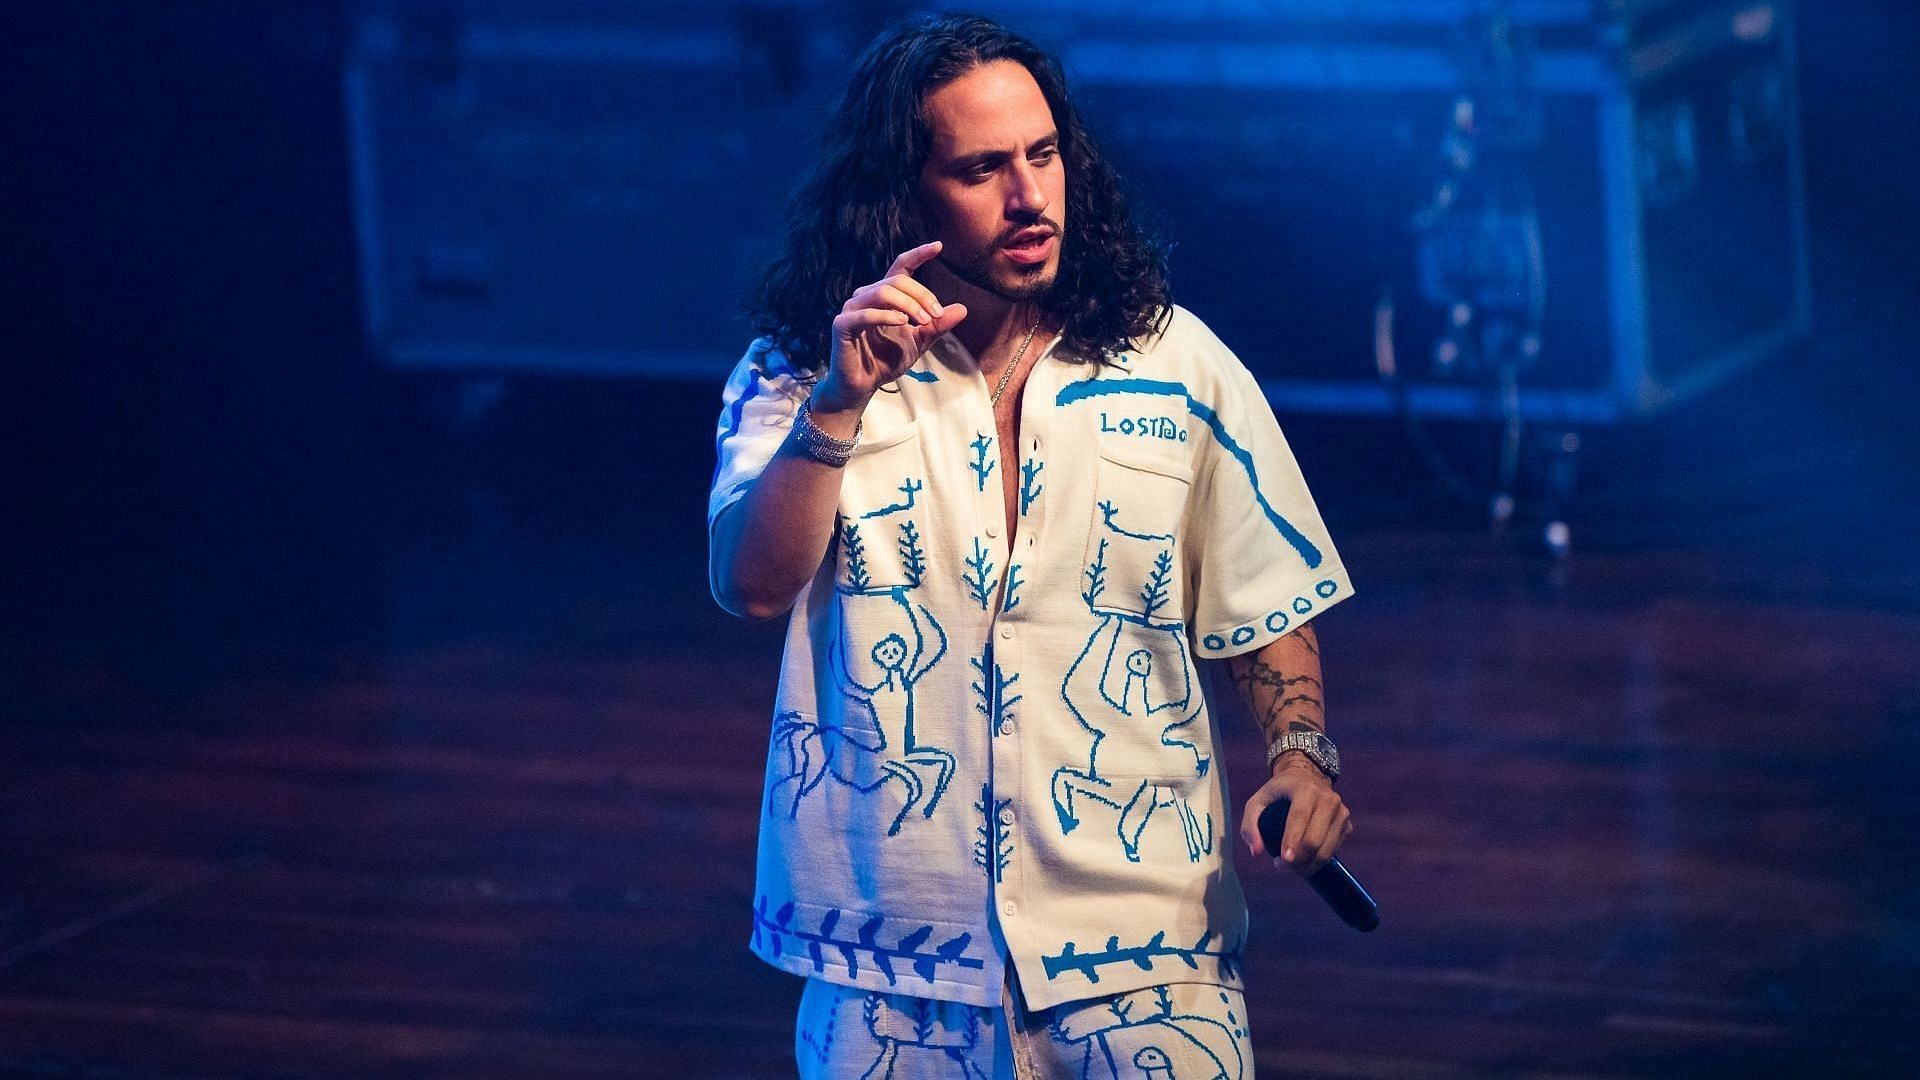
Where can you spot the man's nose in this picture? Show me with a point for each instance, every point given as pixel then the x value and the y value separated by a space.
pixel 1027 199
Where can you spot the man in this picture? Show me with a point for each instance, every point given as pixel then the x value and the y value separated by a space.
pixel 1008 492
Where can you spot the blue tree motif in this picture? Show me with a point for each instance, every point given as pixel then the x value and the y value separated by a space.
pixel 1141 956
pixel 866 941
pixel 914 1033
pixel 1013 586
pixel 982 466
pixel 1096 575
pixel 913 558
pixel 1029 490
pixel 992 847
pixel 857 578
pixel 1153 595
pixel 980 580
pixel 990 690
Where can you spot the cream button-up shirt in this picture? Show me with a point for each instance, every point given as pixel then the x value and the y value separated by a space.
pixel 985 752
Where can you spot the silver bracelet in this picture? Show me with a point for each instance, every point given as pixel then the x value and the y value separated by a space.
pixel 817 444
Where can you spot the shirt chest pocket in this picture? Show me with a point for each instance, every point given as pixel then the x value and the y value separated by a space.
pixel 1131 558
pixel 881 541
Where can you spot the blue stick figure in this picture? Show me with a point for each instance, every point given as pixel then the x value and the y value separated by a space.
pixel 874 741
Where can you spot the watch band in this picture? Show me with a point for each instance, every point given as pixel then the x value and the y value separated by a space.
pixel 1314 746
pixel 819 445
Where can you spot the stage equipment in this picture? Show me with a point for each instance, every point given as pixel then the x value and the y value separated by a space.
pixel 571 186
pixel 1582 210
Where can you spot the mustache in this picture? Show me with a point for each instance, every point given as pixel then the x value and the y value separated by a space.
pixel 1041 222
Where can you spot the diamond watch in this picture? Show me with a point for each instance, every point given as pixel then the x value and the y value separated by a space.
pixel 1316 746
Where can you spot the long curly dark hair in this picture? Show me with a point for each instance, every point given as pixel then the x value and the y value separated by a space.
pixel 857 207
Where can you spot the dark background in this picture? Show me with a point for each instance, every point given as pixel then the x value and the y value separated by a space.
pixel 208 460
pixel 230 528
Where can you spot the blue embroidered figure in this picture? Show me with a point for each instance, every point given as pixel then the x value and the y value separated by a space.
pixel 874 741
pixel 1114 679
pixel 1139 1035
pixel 1116 689
pixel 921 1037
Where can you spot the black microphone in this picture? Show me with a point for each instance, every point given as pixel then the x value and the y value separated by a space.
pixel 1334 884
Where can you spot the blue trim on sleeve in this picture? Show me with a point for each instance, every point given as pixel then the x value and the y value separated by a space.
pixel 734 415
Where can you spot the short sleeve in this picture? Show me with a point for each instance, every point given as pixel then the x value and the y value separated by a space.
pixel 756 412
pixel 1261 561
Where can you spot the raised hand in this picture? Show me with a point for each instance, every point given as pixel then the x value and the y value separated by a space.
pixel 882 329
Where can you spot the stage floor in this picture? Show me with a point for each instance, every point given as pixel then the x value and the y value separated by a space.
pixel 1648 813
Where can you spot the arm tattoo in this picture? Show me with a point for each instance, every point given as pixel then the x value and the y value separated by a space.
pixel 1310 639
pixel 1281 685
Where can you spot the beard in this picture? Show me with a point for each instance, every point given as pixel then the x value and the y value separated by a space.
pixel 981 269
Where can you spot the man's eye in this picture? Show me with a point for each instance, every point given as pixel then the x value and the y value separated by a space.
pixel 1045 156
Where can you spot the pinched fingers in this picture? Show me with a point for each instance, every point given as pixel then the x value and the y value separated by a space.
pixel 898 290
pixel 885 325
pixel 851 322
pixel 901 294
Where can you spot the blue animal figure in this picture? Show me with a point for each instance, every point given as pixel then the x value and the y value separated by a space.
pixel 1139 1035
pixel 922 1037
pixel 1118 691
pixel 873 741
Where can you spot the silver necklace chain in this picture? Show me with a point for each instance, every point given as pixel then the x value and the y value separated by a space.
pixel 1015 362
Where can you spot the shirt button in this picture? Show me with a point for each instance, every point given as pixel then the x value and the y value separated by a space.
pixel 993 530
pixel 1007 632
pixel 1006 815
pixel 1008 909
pixel 1006 727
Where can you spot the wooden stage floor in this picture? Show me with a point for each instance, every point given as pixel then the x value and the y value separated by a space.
pixel 1653 817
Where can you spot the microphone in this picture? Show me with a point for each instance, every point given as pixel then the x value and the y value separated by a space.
pixel 1334 884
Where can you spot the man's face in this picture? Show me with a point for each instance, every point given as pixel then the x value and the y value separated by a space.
pixel 994 187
